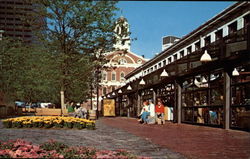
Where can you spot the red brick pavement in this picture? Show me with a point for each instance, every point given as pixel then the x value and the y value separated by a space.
pixel 190 140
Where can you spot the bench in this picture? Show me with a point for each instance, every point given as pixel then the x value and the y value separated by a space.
pixel 50 112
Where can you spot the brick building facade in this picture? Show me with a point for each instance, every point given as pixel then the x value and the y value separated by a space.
pixel 120 64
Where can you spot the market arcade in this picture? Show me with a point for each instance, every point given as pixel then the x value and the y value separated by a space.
pixel 203 79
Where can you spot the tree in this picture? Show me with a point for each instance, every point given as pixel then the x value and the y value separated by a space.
pixel 77 33
pixel 27 72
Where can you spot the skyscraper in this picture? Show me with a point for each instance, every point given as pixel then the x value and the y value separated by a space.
pixel 11 14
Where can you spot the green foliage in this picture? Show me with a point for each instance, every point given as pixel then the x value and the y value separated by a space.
pixel 78 32
pixel 53 145
pixel 68 124
pixel 6 145
pixel 28 73
pixel 7 124
pixel 38 124
pixel 68 49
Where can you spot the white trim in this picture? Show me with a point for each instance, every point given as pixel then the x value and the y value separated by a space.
pixel 194 33
pixel 121 58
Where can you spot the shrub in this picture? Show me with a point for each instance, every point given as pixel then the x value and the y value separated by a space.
pixel 53 149
pixel 7 124
pixel 48 122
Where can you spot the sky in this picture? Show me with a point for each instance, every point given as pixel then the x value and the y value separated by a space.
pixel 151 20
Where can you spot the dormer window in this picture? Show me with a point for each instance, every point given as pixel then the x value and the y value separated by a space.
pixel 197 45
pixel 169 59
pixel 164 62
pixel 159 65
pixel 207 40
pixel 182 54
pixel 232 28
pixel 175 57
pixel 218 34
pixel 189 50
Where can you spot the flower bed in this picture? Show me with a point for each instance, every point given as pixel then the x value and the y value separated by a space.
pixel 52 149
pixel 48 122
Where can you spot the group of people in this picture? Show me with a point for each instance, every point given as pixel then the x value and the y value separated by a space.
pixel 151 114
pixel 79 111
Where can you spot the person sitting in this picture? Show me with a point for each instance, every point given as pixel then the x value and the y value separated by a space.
pixel 81 112
pixel 151 117
pixel 159 109
pixel 144 113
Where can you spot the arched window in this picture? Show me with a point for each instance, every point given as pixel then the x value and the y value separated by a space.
pixel 113 76
pixel 122 77
pixel 122 61
pixel 104 75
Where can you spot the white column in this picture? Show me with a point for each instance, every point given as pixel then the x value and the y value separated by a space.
pixel 202 42
pixel 212 37
pixel 225 31
pixel 240 23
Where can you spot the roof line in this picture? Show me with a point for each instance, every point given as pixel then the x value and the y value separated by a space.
pixel 192 33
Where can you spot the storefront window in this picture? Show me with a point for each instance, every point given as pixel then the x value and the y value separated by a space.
pixel 202 99
pixel 240 99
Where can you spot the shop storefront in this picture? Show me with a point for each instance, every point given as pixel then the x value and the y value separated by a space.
pixel 202 99
pixel 212 91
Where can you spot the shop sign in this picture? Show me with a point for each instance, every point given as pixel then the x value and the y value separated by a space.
pixel 108 107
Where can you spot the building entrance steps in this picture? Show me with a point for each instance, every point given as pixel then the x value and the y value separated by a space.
pixel 190 140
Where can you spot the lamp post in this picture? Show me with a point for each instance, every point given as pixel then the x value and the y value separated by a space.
pixel 62 102
pixel 120 100
pixel 97 91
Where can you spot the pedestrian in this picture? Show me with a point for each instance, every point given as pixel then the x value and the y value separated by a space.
pixel 144 112
pixel 159 110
